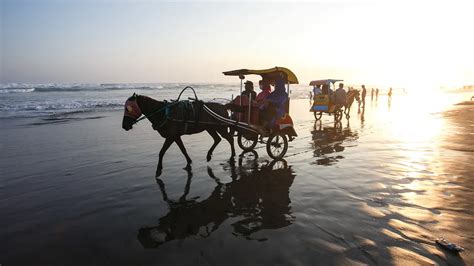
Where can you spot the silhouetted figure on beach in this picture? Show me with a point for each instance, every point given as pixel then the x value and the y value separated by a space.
pixel 372 94
pixel 364 93
pixel 389 98
pixel 376 94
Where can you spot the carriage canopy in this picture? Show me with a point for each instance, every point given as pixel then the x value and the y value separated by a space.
pixel 270 73
pixel 324 81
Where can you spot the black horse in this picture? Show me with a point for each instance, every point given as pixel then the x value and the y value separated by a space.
pixel 174 119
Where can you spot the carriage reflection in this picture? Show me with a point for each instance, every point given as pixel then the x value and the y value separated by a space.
pixel 256 198
pixel 328 141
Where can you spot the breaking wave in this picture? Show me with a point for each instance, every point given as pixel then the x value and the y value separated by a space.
pixel 25 88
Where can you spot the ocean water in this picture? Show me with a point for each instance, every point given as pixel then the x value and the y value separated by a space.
pixel 33 100
pixel 379 188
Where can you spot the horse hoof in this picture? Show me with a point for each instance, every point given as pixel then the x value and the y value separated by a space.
pixel 188 167
pixel 208 157
pixel 158 173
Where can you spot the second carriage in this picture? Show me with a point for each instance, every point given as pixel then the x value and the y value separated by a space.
pixel 322 102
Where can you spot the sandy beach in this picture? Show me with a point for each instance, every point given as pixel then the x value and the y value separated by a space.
pixel 79 190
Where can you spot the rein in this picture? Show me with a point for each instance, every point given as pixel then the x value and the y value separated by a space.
pixel 155 112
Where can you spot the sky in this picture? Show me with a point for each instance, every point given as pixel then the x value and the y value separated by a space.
pixel 402 43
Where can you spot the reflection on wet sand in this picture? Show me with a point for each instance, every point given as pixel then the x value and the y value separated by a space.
pixel 328 140
pixel 258 198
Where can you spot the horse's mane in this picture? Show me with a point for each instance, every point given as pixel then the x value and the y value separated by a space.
pixel 147 100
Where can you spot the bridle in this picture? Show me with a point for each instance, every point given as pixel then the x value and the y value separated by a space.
pixel 132 109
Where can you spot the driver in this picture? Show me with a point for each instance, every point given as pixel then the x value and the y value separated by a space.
pixel 249 92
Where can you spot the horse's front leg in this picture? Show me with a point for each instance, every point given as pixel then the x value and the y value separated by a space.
pixel 216 139
pixel 166 145
pixel 185 153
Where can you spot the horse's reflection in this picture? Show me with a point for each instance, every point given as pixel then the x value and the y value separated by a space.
pixel 257 197
pixel 329 140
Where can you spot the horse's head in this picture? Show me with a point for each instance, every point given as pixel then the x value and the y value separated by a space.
pixel 132 112
pixel 357 95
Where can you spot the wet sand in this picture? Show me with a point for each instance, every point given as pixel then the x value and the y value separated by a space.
pixel 378 189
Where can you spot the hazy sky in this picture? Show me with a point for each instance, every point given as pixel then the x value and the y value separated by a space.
pixel 394 43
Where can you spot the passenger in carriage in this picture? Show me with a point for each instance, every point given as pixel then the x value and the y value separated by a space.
pixel 317 90
pixel 275 104
pixel 266 90
pixel 249 92
pixel 327 89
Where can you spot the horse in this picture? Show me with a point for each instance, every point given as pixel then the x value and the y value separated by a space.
pixel 351 95
pixel 163 116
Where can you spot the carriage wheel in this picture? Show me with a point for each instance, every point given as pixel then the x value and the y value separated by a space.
pixel 246 144
pixel 318 115
pixel 278 164
pixel 277 145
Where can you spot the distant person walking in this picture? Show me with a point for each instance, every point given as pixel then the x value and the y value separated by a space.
pixel 390 93
pixel 364 93
pixel 376 94
pixel 372 94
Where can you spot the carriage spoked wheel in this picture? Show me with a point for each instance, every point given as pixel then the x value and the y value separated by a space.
pixel 318 115
pixel 277 145
pixel 278 164
pixel 246 143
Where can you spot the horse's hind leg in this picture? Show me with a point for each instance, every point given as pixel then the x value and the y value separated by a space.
pixel 217 139
pixel 166 145
pixel 185 153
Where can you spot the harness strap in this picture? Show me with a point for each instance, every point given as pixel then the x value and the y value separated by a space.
pixel 165 108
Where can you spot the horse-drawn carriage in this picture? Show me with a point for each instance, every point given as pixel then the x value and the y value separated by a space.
pixel 248 113
pixel 172 119
pixel 324 102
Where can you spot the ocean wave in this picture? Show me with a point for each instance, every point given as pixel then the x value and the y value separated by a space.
pixel 16 90
pixel 30 109
pixel 24 88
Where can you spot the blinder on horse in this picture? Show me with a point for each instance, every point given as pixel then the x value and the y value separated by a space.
pixel 132 109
